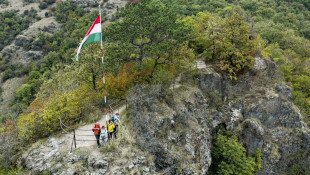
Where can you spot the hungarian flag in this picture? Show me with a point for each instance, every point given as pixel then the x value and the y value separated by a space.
pixel 94 34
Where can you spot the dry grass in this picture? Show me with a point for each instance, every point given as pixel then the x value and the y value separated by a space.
pixel 125 138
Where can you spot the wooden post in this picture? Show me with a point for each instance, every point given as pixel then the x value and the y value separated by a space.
pixel 74 138
pixel 71 145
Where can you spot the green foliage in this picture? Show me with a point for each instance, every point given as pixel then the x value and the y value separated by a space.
pixel 5 2
pixel 29 1
pixel 229 157
pixel 57 48
pixel 45 3
pixel 64 95
pixel 42 118
pixel 91 65
pixel 68 10
pixel 14 70
pixel 146 30
pixel 282 33
pixel 11 24
pixel 298 163
pixel 258 159
pixel 12 171
pixel 223 40
pixel 24 94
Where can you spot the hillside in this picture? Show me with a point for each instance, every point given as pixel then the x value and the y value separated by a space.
pixel 212 87
pixel 173 131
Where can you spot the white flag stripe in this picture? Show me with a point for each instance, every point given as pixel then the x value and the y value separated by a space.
pixel 96 29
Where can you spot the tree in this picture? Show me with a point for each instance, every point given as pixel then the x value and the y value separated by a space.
pixel 234 49
pixel 229 157
pixel 224 41
pixel 146 30
pixel 91 65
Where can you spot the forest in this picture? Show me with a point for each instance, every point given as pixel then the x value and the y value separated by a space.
pixel 150 42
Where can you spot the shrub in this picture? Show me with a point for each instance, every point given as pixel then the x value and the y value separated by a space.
pixel 42 118
pixel 11 24
pixel 229 157
pixel 5 2
pixel 25 94
pixel 43 5
pixel 118 85
pixel 29 1
pixel 9 73
pixel 223 40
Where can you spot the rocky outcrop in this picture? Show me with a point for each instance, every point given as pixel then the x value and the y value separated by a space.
pixel 178 126
pixel 171 130
pixel 53 156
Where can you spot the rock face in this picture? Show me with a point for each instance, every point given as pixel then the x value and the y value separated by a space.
pixel 171 130
pixel 178 126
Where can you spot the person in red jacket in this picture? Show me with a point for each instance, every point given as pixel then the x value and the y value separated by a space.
pixel 97 129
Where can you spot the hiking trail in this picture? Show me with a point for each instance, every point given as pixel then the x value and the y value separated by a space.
pixel 84 135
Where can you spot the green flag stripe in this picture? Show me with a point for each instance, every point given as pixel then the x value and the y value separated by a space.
pixel 95 37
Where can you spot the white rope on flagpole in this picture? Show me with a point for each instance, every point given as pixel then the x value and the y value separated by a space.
pixel 101 26
pixel 101 45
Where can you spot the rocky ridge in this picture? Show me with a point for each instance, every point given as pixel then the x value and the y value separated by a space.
pixel 170 131
pixel 257 108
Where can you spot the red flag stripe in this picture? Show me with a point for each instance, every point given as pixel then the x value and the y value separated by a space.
pixel 97 20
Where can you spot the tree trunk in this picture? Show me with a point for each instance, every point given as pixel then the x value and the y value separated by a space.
pixel 94 79
pixel 154 68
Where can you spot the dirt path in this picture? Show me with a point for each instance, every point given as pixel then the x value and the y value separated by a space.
pixel 200 64
pixel 84 135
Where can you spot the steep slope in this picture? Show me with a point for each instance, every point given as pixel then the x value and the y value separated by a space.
pixel 18 54
pixel 181 125
pixel 172 131
pixel 22 52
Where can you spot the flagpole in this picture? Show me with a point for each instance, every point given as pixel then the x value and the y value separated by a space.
pixel 101 27
pixel 101 45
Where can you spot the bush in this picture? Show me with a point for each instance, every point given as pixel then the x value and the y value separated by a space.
pixel 5 2
pixel 42 118
pixel 223 40
pixel 29 1
pixel 11 24
pixel 9 73
pixel 25 94
pixel 229 157
pixel 43 5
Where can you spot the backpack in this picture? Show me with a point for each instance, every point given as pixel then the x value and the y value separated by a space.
pixel 113 118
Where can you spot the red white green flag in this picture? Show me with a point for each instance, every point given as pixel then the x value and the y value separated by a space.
pixel 94 34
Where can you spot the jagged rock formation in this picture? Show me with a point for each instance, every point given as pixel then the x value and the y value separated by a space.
pixel 257 108
pixel 171 130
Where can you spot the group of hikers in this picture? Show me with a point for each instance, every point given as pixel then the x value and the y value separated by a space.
pixel 106 133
